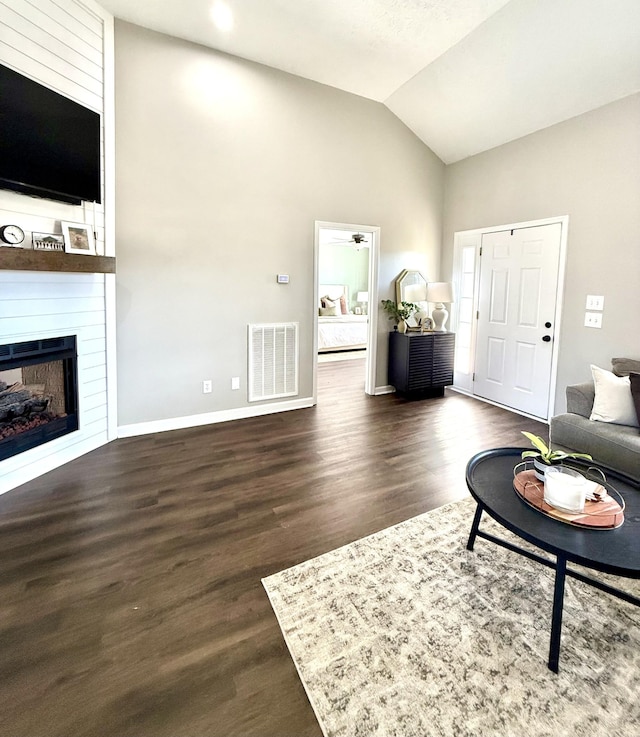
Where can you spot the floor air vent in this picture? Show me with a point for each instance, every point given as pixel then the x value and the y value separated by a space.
pixel 273 361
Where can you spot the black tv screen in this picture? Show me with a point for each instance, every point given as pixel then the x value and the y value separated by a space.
pixel 49 144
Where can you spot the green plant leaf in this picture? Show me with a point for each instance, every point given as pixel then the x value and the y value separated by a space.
pixel 537 442
pixel 545 453
pixel 560 455
pixel 398 312
pixel 530 454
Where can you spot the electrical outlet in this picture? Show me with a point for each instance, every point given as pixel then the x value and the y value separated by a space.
pixel 595 302
pixel 235 382
pixel 593 319
pixel 207 386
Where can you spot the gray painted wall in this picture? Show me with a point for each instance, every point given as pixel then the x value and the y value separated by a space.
pixel 222 167
pixel 589 169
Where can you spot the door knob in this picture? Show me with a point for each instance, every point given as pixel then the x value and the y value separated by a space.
pixel 546 338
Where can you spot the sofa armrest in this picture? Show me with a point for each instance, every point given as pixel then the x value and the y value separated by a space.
pixel 580 398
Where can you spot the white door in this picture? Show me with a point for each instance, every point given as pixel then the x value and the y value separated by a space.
pixel 516 320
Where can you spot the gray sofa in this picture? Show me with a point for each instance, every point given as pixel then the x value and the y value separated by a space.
pixel 615 446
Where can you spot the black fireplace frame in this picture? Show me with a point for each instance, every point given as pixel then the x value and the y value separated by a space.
pixel 30 353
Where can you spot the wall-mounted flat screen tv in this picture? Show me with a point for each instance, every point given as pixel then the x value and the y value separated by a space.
pixel 49 144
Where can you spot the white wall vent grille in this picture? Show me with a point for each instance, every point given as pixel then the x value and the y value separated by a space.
pixel 273 361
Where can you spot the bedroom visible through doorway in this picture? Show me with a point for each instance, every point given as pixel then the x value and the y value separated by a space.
pixel 346 257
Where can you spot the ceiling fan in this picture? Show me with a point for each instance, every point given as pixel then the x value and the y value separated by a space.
pixel 357 238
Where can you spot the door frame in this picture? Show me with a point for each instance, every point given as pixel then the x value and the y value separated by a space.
pixel 372 326
pixel 463 381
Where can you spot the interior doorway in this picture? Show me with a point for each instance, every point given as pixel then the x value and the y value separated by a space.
pixel 345 281
pixel 509 282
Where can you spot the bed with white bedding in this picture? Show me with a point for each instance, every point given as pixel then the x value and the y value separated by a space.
pixel 338 328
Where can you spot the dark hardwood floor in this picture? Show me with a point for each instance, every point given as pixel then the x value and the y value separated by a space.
pixel 130 578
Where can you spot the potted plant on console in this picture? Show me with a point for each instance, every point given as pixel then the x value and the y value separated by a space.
pixel 544 456
pixel 399 312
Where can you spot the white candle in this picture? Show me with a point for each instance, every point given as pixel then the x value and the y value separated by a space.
pixel 564 489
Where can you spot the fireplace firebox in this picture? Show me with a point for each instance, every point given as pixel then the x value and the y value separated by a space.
pixel 38 393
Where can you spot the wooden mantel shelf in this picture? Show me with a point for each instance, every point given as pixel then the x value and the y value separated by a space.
pixel 25 259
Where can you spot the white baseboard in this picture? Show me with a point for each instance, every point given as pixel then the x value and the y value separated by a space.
pixel 211 418
pixel 379 390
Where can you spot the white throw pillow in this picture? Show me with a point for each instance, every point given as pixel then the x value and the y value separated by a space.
pixel 613 401
pixel 334 311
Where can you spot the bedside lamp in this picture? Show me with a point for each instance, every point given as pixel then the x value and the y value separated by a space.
pixel 440 292
pixel 362 298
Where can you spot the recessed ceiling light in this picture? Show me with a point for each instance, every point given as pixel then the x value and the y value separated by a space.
pixel 222 16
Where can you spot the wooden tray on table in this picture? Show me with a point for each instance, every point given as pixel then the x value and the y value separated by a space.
pixel 606 514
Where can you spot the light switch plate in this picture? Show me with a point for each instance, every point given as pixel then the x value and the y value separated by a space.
pixel 595 302
pixel 593 319
pixel 283 278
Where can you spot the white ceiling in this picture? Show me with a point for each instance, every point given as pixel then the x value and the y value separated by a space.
pixel 464 75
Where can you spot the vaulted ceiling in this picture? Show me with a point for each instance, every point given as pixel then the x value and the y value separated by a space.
pixel 464 75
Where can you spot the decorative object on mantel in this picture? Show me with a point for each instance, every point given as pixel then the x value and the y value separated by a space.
pixel 47 241
pixel 440 292
pixel 78 238
pixel 399 312
pixel 11 235
pixel 544 457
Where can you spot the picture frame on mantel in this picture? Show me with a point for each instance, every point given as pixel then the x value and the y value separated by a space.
pixel 78 238
pixel 48 241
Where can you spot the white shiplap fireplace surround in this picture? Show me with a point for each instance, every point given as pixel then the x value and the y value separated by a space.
pixel 66 45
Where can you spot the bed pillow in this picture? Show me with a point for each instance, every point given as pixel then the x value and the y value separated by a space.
pixel 634 380
pixel 333 311
pixel 339 302
pixel 613 401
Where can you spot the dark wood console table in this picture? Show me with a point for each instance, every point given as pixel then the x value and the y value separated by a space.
pixel 421 364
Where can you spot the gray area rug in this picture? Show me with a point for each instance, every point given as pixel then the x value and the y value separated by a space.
pixel 406 633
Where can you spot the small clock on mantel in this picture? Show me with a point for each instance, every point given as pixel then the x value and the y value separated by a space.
pixel 12 235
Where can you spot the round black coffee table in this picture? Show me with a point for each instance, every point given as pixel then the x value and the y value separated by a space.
pixel 616 551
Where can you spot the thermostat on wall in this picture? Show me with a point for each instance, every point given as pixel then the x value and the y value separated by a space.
pixel 283 278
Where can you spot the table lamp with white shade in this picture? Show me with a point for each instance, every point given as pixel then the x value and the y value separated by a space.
pixel 441 293
pixel 362 298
